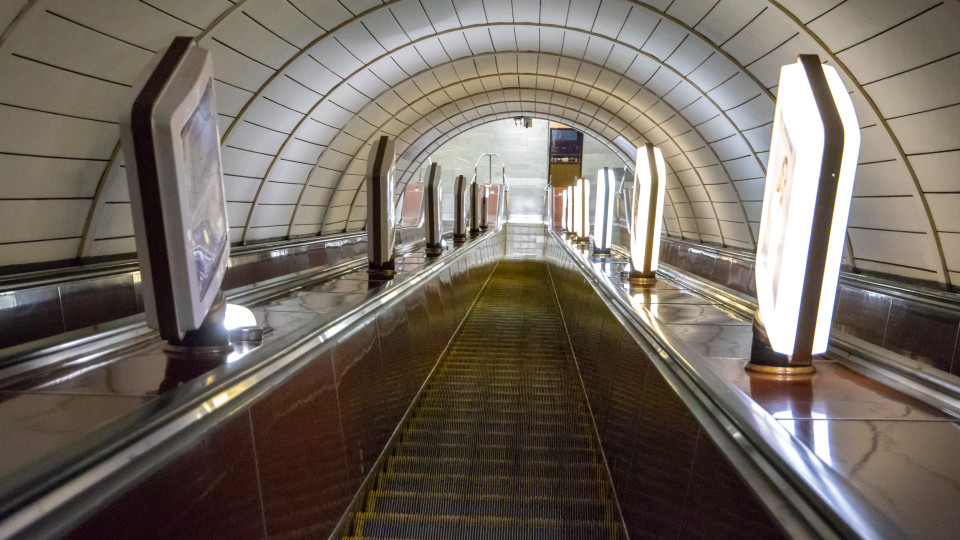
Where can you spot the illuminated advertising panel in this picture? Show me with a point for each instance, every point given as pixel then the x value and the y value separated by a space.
pixel 581 209
pixel 171 145
pixel 460 209
pixel 648 193
pixel 806 202
pixel 603 214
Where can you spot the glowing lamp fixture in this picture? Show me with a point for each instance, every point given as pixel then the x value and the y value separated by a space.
pixel 603 214
pixel 581 210
pixel 241 324
pixel 648 190
pixel 806 202
pixel 571 203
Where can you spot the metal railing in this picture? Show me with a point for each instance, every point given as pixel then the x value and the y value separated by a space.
pixel 502 200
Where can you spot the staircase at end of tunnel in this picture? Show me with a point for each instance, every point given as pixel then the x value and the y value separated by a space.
pixel 500 444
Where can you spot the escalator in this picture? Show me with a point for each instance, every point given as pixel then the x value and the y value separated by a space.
pixel 501 443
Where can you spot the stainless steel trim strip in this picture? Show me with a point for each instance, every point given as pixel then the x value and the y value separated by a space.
pixel 810 499
pixel 128 449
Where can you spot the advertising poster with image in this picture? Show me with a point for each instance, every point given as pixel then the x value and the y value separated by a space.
pixel 776 204
pixel 202 174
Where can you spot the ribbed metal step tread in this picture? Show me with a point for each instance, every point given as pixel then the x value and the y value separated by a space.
pixel 500 444
pixel 500 507
pixel 532 452
pixel 491 467
pixel 440 526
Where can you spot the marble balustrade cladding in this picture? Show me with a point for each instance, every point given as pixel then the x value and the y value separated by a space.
pixel 925 331
pixel 34 313
pixel 288 465
pixel 670 478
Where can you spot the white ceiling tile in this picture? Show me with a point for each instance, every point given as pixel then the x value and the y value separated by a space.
pixel 526 11
pixel 334 57
pixel 665 39
pixel 712 72
pixel 498 10
pixel 359 43
pixel 611 17
pixel 441 13
pixel 883 178
pixel 932 36
pixel 470 12
pixel 554 11
pixel 65 44
pixel 640 24
pixel 937 172
pixel 728 17
pixel 504 38
pixel 895 213
pixel 382 25
pixel 764 34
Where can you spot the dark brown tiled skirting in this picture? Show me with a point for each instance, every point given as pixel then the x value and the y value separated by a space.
pixel 670 478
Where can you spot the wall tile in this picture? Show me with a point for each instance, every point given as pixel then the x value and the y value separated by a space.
pixel 922 333
pixel 210 491
pixel 301 454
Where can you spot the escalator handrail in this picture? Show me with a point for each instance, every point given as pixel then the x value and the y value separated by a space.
pixel 74 482
pixel 818 501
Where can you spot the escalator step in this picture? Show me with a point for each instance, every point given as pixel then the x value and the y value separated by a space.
pixel 580 486
pixel 481 451
pixel 384 525
pixel 492 467
pixel 500 444
pixel 583 509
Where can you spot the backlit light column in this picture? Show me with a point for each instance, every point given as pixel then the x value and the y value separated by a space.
pixel 571 204
pixel 813 157
pixel 648 191
pixel 603 213
pixel 563 223
pixel 581 210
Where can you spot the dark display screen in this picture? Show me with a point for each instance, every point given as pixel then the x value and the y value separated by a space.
pixel 566 142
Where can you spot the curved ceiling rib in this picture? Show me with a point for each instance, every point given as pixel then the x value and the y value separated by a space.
pixel 670 214
pixel 600 107
pixel 680 77
pixel 703 73
pixel 557 98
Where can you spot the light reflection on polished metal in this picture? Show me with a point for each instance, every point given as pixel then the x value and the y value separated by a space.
pixel 648 192
pixel 813 155
pixel 180 422
pixel 460 210
pixel 815 500
pixel 603 214
pixel 434 223
pixel 381 222
pixel 581 210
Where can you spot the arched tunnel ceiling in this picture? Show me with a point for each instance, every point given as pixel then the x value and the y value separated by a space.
pixel 304 86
